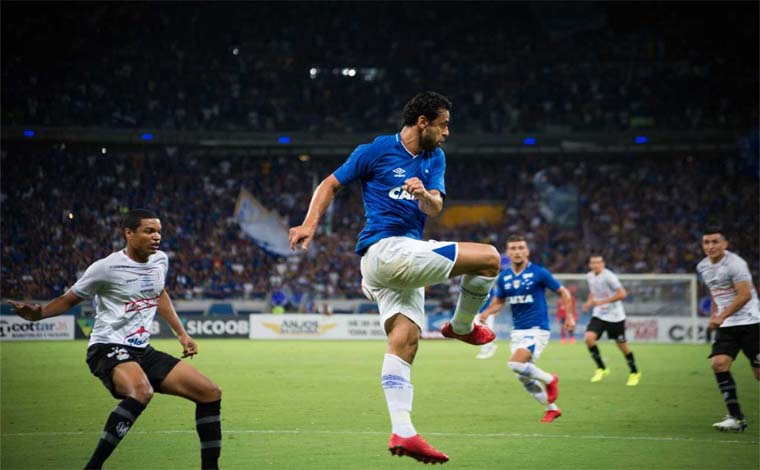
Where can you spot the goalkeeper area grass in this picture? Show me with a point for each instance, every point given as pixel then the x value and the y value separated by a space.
pixel 319 405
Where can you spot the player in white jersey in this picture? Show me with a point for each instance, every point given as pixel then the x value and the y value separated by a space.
pixel 128 289
pixel 736 316
pixel 605 296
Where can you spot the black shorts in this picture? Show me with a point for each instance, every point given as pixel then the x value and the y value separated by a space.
pixel 103 357
pixel 732 339
pixel 615 330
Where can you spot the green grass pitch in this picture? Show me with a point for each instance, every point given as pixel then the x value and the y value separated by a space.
pixel 319 405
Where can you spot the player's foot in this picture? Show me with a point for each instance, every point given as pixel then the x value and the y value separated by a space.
pixel 633 379
pixel 480 334
pixel 572 340
pixel 487 351
pixel 599 374
pixel 552 389
pixel 551 415
pixel 417 448
pixel 562 341
pixel 729 423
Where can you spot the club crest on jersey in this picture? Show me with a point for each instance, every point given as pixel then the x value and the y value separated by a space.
pixel 516 283
pixel 398 193
pixel 399 172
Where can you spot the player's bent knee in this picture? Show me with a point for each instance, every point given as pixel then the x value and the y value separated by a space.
pixel 720 364
pixel 142 392
pixel 492 262
pixel 214 392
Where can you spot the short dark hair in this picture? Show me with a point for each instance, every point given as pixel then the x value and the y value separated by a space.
pixel 427 104
pixel 134 217
pixel 515 238
pixel 595 254
pixel 711 229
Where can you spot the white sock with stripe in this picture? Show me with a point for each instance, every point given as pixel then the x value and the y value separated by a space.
pixel 399 393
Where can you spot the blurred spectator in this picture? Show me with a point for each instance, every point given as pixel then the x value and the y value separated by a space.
pixel 59 207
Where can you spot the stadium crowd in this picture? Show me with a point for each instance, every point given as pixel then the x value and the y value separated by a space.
pixel 61 207
pixel 306 67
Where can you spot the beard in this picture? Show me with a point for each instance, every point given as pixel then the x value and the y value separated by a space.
pixel 427 142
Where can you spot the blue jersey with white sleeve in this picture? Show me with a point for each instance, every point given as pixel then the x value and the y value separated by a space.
pixel 382 167
pixel 524 293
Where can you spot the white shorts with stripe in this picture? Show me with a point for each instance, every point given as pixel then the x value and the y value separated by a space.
pixel 534 340
pixel 395 271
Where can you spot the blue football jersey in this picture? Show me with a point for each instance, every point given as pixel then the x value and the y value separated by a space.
pixel 524 293
pixel 382 167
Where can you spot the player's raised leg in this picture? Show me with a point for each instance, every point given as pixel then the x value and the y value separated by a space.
pixel 403 340
pixel 187 382
pixel 478 264
pixel 126 380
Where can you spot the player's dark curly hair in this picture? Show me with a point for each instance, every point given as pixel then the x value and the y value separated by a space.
pixel 133 218
pixel 427 104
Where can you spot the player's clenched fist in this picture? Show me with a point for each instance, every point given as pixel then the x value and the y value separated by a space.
pixel 414 187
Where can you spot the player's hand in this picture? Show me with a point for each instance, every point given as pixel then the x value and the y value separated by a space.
pixel 189 346
pixel 569 324
pixel 415 187
pixel 31 312
pixel 715 322
pixel 300 235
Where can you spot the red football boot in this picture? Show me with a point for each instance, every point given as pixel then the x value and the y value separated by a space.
pixel 552 389
pixel 551 415
pixel 480 334
pixel 417 448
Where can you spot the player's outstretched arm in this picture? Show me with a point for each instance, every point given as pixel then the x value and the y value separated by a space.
pixel 169 314
pixel 493 309
pixel 36 312
pixel 320 201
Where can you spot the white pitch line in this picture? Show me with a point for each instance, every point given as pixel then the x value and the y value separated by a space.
pixel 445 434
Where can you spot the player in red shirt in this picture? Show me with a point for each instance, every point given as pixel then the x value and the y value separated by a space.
pixel 562 315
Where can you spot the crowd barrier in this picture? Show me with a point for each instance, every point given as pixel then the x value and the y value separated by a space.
pixel 318 327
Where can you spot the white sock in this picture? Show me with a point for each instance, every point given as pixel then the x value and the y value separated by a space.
pixel 533 387
pixel 399 392
pixel 473 292
pixel 552 406
pixel 528 369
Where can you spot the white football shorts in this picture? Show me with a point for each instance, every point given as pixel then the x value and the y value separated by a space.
pixel 534 340
pixel 395 271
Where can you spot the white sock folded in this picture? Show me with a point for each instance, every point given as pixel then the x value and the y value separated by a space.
pixel 473 293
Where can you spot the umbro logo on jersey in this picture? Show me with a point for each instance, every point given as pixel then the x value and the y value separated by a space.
pixel 399 172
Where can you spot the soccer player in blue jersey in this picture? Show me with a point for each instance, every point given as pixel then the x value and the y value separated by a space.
pixel 522 284
pixel 402 179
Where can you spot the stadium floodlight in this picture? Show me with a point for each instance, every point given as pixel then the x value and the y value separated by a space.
pixel 313 73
